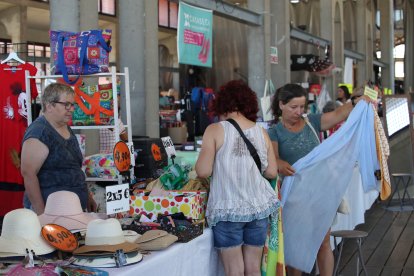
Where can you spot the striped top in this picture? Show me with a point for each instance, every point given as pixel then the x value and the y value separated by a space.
pixel 238 191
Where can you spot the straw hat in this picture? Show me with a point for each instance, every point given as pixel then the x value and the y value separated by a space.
pixel 155 240
pixel 104 237
pixel 131 236
pixel 21 231
pixel 64 208
pixel 106 261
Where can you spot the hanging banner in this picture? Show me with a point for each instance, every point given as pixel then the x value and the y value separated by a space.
pixel 194 41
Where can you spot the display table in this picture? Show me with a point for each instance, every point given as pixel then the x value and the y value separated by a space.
pixel 358 201
pixel 197 257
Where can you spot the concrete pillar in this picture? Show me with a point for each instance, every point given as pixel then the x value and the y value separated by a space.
pixel 137 39
pixel 64 15
pixel 409 46
pixel 362 42
pixel 386 8
pixel 88 20
pixel 257 52
pixel 88 15
pixel 332 29
pixel 151 69
pixel 279 18
pixel 338 44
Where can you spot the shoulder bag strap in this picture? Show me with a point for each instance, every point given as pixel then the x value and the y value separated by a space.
pixel 306 119
pixel 61 59
pixel 249 145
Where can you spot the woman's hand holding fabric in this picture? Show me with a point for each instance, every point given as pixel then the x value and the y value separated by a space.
pixel 285 168
pixel 365 98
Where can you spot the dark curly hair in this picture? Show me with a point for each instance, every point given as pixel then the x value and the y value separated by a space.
pixel 235 95
pixel 285 94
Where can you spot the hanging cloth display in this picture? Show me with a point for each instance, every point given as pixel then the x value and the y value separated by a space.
pixel 13 124
pixel 312 195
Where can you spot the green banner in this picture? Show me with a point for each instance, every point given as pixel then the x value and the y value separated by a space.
pixel 194 40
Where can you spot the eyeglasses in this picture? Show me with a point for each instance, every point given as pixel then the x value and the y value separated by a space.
pixel 68 105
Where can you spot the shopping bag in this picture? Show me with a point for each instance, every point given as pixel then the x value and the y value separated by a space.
pixel 266 101
pixel 82 53
pixel 323 98
pixel 93 105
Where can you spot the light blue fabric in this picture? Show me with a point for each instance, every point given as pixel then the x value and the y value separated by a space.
pixel 311 197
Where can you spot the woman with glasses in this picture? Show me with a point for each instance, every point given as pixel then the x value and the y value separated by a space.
pixel 51 159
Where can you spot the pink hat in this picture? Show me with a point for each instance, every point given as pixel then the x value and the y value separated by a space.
pixel 64 208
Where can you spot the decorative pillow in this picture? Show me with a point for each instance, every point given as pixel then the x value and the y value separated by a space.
pixel 100 165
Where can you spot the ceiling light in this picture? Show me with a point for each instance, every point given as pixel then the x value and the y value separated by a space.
pixel 294 1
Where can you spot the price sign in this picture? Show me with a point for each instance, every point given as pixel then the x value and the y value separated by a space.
pixel 59 237
pixel 117 198
pixel 122 156
pixel 169 146
pixel 373 94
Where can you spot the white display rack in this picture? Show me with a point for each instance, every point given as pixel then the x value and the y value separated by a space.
pixel 113 74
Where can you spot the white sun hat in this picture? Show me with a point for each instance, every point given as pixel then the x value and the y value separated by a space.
pixel 21 231
pixel 104 237
pixel 64 208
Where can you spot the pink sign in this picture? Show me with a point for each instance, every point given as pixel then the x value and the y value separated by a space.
pixel 191 37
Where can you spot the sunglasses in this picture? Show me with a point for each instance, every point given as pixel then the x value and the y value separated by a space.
pixel 68 105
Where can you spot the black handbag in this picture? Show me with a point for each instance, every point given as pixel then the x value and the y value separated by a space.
pixel 249 145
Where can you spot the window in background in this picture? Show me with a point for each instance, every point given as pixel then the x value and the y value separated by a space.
pixel 399 69
pixel 398 53
pixel 38 54
pixel 167 14
pixel 107 7
pixel 5 46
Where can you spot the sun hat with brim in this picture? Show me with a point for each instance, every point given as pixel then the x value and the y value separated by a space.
pixel 21 232
pixel 64 208
pixel 151 235
pixel 131 236
pixel 155 240
pixel 102 261
pixel 105 236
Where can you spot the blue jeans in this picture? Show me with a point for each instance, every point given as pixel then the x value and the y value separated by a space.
pixel 229 234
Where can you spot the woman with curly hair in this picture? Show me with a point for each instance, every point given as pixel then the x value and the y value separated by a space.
pixel 241 199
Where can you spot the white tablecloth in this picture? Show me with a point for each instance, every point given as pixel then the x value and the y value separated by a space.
pixel 358 201
pixel 197 257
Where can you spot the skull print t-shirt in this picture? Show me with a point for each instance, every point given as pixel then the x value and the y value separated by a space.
pixel 13 123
